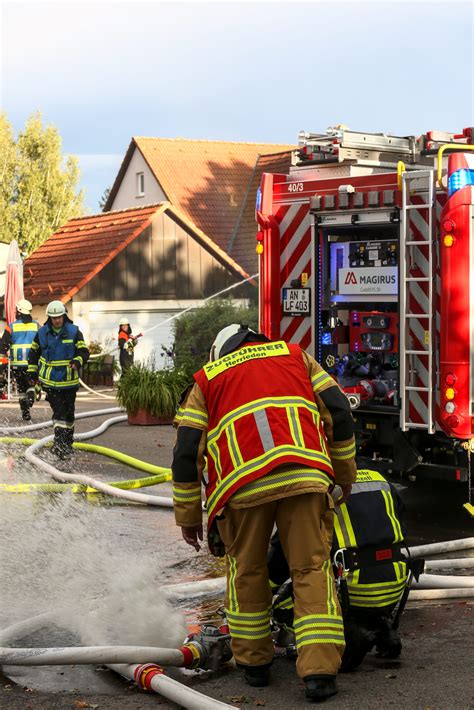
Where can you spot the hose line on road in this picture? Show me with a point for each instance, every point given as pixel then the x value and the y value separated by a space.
pixel 152 677
pixel 30 455
pixel 160 474
pixel 49 422
pixel 435 548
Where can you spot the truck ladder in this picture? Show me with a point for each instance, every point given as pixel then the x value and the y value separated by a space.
pixel 423 183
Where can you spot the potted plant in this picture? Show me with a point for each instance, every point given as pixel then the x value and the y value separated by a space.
pixel 150 396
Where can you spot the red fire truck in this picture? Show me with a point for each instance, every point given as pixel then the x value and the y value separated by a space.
pixel 367 261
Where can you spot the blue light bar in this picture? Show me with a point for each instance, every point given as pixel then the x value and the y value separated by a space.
pixel 258 200
pixel 460 179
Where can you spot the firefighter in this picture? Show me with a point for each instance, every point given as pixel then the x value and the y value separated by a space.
pixel 127 344
pixel 56 356
pixel 17 338
pixel 369 533
pixel 277 431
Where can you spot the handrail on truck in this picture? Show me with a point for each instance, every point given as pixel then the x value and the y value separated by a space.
pixel 459 147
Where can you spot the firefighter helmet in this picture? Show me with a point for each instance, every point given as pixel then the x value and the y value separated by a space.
pixel 229 339
pixel 23 306
pixel 55 309
pixel 124 321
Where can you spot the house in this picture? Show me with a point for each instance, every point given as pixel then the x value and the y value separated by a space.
pixel 146 263
pixel 178 226
pixel 213 183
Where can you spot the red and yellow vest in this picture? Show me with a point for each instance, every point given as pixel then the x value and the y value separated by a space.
pixel 262 414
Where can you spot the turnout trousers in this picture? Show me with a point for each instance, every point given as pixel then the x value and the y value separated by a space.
pixel 305 525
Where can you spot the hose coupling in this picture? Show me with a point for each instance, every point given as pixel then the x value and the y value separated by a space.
pixel 145 673
pixel 193 654
pixel 212 644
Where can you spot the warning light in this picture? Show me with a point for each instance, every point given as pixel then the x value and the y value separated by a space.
pixel 450 379
pixel 448 225
pixel 449 393
pixel 448 240
pixel 450 407
pixel 260 236
pixel 259 248
pixel 453 421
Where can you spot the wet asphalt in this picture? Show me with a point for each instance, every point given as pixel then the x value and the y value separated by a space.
pixel 435 671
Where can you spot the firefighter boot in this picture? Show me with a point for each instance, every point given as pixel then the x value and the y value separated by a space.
pixel 69 440
pixel 257 676
pixel 61 447
pixel 30 396
pixel 25 409
pixel 320 687
pixel 388 643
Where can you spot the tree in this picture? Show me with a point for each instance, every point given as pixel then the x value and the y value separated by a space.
pixel 39 185
pixel 194 332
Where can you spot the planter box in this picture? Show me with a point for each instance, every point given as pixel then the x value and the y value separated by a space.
pixel 144 418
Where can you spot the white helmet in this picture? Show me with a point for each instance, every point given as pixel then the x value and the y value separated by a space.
pixel 231 336
pixel 55 309
pixel 24 306
pixel 124 321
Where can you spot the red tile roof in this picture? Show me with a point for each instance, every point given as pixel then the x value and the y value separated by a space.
pixel 243 242
pixel 78 251
pixel 207 180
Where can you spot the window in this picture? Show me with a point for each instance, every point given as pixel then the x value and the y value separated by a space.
pixel 140 184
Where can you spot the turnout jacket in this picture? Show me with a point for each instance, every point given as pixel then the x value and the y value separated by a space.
pixel 51 355
pixel 270 422
pixel 17 338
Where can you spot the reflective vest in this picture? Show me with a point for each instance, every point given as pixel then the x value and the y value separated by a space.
pixel 369 518
pixel 262 414
pixel 57 351
pixel 22 335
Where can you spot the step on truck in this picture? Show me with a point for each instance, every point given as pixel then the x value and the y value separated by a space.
pixel 366 259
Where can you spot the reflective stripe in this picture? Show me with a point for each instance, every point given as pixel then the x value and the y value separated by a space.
pixel 194 415
pixel 295 426
pixel 257 463
pixel 311 619
pixel 322 378
pixel 187 495
pixel 276 480
pixel 343 453
pixel 264 431
pixel 257 404
pixel 234 451
pixel 233 601
pixel 55 384
pixel 24 327
pixel 54 363
pixel 213 450
pixel 319 628
pixel 251 625
pixel 285 604
pixel 369 486
pixel 330 587
pixel 343 527
pixel 397 530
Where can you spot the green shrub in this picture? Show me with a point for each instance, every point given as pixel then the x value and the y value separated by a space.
pixel 157 391
pixel 195 331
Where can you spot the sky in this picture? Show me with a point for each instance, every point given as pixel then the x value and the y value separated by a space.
pixel 105 71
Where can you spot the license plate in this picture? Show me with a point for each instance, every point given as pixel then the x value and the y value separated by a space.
pixel 297 301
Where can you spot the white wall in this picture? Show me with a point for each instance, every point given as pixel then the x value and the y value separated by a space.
pixel 99 321
pixel 127 192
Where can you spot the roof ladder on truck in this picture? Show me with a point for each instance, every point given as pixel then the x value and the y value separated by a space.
pixel 417 301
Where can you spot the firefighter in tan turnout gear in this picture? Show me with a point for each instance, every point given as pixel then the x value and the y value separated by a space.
pixel 277 433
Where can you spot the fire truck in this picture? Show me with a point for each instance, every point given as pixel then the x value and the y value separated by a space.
pixel 367 261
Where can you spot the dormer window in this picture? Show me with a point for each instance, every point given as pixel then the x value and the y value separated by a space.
pixel 140 184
